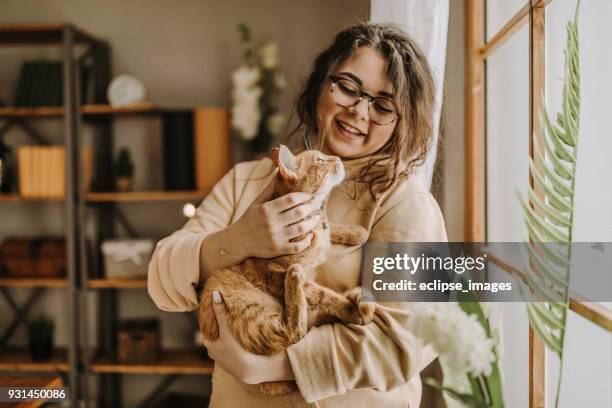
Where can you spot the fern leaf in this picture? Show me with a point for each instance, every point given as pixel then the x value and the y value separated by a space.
pixel 550 212
pixel 551 218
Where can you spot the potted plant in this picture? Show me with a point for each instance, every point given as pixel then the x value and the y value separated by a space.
pixel 124 171
pixel 40 338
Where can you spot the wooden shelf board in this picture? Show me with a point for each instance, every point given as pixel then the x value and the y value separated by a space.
pixel 18 359
pixel 117 283
pixel 88 110
pixel 19 198
pixel 37 33
pixel 116 196
pixel 33 282
pixel 171 362
pixel 146 196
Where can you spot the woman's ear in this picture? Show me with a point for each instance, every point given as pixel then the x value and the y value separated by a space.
pixel 285 161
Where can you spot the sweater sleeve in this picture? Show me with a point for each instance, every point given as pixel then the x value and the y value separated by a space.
pixel 382 355
pixel 174 269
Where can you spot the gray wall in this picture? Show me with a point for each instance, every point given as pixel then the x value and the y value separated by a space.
pixel 183 51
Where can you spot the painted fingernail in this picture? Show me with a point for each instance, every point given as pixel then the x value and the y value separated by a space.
pixel 216 296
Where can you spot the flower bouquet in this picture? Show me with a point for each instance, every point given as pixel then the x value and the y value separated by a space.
pixel 468 350
pixel 256 86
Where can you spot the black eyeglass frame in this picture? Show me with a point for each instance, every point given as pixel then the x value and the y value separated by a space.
pixel 334 80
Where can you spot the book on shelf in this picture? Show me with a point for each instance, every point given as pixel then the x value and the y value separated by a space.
pixel 41 83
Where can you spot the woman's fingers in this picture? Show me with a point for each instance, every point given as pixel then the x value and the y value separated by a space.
pixel 297 213
pixel 220 311
pixel 299 246
pixel 302 227
pixel 288 201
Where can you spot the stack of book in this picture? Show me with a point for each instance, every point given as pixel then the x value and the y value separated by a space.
pixel 41 84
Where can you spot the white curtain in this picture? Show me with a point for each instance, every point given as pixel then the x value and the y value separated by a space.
pixel 426 21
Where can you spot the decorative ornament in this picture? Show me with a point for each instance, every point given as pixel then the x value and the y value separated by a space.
pixel 125 90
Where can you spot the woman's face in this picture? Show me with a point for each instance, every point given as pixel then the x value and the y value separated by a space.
pixel 347 131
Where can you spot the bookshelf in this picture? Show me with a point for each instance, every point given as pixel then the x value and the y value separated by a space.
pixel 84 272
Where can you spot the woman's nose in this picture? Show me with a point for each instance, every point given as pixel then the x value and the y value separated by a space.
pixel 361 109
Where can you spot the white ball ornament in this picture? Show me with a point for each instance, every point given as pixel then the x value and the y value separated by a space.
pixel 125 90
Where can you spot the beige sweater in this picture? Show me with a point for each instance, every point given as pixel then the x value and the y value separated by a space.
pixel 335 365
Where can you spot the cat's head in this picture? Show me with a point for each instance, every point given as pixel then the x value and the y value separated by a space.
pixel 309 171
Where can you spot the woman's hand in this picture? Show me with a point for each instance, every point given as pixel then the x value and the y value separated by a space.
pixel 266 228
pixel 247 367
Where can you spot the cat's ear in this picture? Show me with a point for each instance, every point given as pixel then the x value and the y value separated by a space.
pixel 285 161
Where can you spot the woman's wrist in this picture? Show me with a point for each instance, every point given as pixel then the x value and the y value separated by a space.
pixel 219 250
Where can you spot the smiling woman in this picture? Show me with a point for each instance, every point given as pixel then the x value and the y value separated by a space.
pixel 385 68
pixel 369 101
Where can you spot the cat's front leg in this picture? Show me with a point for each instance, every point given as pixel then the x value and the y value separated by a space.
pixel 348 234
pixel 296 307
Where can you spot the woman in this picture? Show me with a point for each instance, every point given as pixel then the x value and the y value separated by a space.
pixel 368 100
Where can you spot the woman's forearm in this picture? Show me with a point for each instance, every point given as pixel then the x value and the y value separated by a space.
pixel 219 250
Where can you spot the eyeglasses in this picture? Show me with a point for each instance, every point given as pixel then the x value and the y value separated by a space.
pixel 346 93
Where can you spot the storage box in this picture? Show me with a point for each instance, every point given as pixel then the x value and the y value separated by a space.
pixel 127 258
pixel 138 341
pixel 41 257
pixel 42 171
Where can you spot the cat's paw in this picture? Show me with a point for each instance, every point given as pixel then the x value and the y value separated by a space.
pixel 360 235
pixel 296 275
pixel 365 310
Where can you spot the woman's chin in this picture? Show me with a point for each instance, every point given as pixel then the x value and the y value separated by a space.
pixel 342 147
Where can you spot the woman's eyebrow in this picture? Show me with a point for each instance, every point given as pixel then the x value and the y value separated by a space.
pixel 360 83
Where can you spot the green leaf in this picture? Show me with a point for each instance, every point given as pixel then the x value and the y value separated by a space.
pixel 548 230
pixel 558 183
pixel 466 399
pixel 554 256
pixel 547 269
pixel 547 315
pixel 549 339
pixel 550 212
pixel 557 137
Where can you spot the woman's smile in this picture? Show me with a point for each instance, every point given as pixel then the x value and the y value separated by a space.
pixel 348 131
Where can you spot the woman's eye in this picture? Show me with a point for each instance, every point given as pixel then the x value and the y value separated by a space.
pixel 348 88
pixel 383 106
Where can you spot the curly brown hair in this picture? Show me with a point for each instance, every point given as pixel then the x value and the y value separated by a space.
pixel 414 94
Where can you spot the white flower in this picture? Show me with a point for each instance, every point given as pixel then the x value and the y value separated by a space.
pixel 247 95
pixel 275 123
pixel 245 76
pixel 245 119
pixel 269 55
pixel 459 338
pixel 279 81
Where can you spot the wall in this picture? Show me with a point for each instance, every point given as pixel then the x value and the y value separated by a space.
pixel 183 52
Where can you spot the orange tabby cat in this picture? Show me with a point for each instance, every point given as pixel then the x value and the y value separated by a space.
pixel 268 299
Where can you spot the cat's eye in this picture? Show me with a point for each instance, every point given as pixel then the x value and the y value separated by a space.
pixel 320 159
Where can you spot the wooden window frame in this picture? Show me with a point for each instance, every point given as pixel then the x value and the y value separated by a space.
pixel 477 50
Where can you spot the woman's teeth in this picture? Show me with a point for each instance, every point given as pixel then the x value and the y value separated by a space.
pixel 349 128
